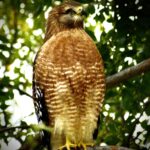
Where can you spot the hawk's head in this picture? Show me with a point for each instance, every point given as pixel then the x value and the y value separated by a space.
pixel 65 16
pixel 70 14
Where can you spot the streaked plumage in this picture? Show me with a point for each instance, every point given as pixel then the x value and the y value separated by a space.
pixel 68 81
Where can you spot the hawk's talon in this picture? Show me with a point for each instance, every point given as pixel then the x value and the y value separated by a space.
pixel 68 145
pixel 84 145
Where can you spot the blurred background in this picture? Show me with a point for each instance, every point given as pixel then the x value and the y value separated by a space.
pixel 121 31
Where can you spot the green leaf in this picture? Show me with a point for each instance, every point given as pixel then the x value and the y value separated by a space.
pixel 147 110
pixel 145 125
pixel 112 139
pixel 3 39
pixel 100 17
pixel 4 47
pixel 91 9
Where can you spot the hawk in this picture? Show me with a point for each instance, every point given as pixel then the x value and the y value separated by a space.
pixel 68 80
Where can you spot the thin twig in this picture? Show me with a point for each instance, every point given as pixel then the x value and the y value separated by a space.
pixel 36 127
pixel 5 129
pixel 25 93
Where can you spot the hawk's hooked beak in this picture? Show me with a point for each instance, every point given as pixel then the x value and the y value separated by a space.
pixel 81 10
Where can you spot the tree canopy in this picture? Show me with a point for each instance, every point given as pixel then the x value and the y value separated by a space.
pixel 121 31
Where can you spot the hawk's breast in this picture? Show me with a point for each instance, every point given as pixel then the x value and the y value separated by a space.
pixel 70 70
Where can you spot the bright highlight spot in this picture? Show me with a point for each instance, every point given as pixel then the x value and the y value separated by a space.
pixel 37 32
pixel 126 115
pixel 29 21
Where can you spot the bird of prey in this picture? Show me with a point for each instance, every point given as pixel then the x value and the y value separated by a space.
pixel 68 80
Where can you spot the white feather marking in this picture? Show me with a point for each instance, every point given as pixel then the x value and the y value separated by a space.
pixel 59 126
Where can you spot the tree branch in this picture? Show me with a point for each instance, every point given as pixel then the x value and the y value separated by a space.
pixel 128 73
pixel 20 91
pixel 108 148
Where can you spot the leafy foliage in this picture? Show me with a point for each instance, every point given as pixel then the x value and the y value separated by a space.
pixel 121 30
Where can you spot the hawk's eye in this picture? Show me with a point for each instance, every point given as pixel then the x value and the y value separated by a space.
pixel 70 11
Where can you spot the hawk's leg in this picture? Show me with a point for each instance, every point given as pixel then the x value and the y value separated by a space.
pixel 68 145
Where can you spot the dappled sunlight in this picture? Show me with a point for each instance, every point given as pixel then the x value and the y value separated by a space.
pixel 99 27
pixel 22 109
pixel 13 144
